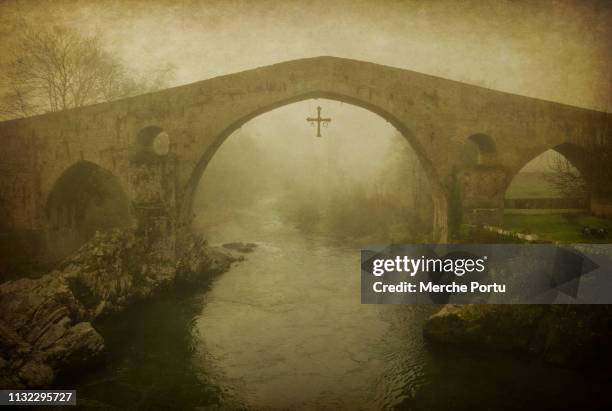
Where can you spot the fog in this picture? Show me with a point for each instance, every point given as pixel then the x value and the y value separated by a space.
pixel 550 49
pixel 361 178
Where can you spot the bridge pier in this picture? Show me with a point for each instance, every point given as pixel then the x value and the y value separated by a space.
pixel 481 192
pixel 440 219
pixel 153 184
pixel 155 226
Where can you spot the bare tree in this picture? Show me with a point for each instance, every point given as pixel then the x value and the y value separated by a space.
pixel 566 179
pixel 56 68
pixel 594 153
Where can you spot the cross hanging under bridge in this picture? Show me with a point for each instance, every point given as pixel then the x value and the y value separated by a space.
pixel 319 120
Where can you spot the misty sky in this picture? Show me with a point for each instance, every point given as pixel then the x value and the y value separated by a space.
pixel 355 147
pixel 277 161
pixel 555 50
pixel 356 139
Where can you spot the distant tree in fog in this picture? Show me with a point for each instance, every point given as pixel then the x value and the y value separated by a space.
pixel 566 179
pixel 57 68
pixel 393 204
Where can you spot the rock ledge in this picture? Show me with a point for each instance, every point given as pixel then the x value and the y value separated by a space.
pixel 45 327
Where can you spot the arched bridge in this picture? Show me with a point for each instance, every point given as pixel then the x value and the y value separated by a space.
pixel 155 147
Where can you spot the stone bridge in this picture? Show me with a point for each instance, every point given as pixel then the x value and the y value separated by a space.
pixel 147 153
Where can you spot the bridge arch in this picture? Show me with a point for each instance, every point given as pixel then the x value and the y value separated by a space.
pixel 85 198
pixel 439 197
pixel 151 142
pixel 574 153
pixel 574 189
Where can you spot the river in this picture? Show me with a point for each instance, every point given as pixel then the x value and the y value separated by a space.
pixel 285 330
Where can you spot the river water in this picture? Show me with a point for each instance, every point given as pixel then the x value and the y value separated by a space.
pixel 285 330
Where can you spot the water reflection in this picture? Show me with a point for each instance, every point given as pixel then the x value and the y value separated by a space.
pixel 285 330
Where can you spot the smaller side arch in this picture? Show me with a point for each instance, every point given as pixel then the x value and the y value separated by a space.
pixel 557 178
pixel 84 199
pixel 575 154
pixel 150 144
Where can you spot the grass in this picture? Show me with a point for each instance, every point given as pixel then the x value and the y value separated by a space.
pixel 565 228
pixel 472 234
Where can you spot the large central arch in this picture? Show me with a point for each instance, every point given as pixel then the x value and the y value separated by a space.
pixel 440 225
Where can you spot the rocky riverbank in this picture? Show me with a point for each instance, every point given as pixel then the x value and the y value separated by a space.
pixel 575 336
pixel 46 323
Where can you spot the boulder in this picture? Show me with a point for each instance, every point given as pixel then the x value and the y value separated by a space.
pixel 46 324
pixel 576 336
pixel 197 258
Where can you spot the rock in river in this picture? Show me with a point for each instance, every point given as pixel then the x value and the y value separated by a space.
pixel 45 327
pixel 576 336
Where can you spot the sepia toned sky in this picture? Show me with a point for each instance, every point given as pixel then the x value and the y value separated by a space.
pixel 554 50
